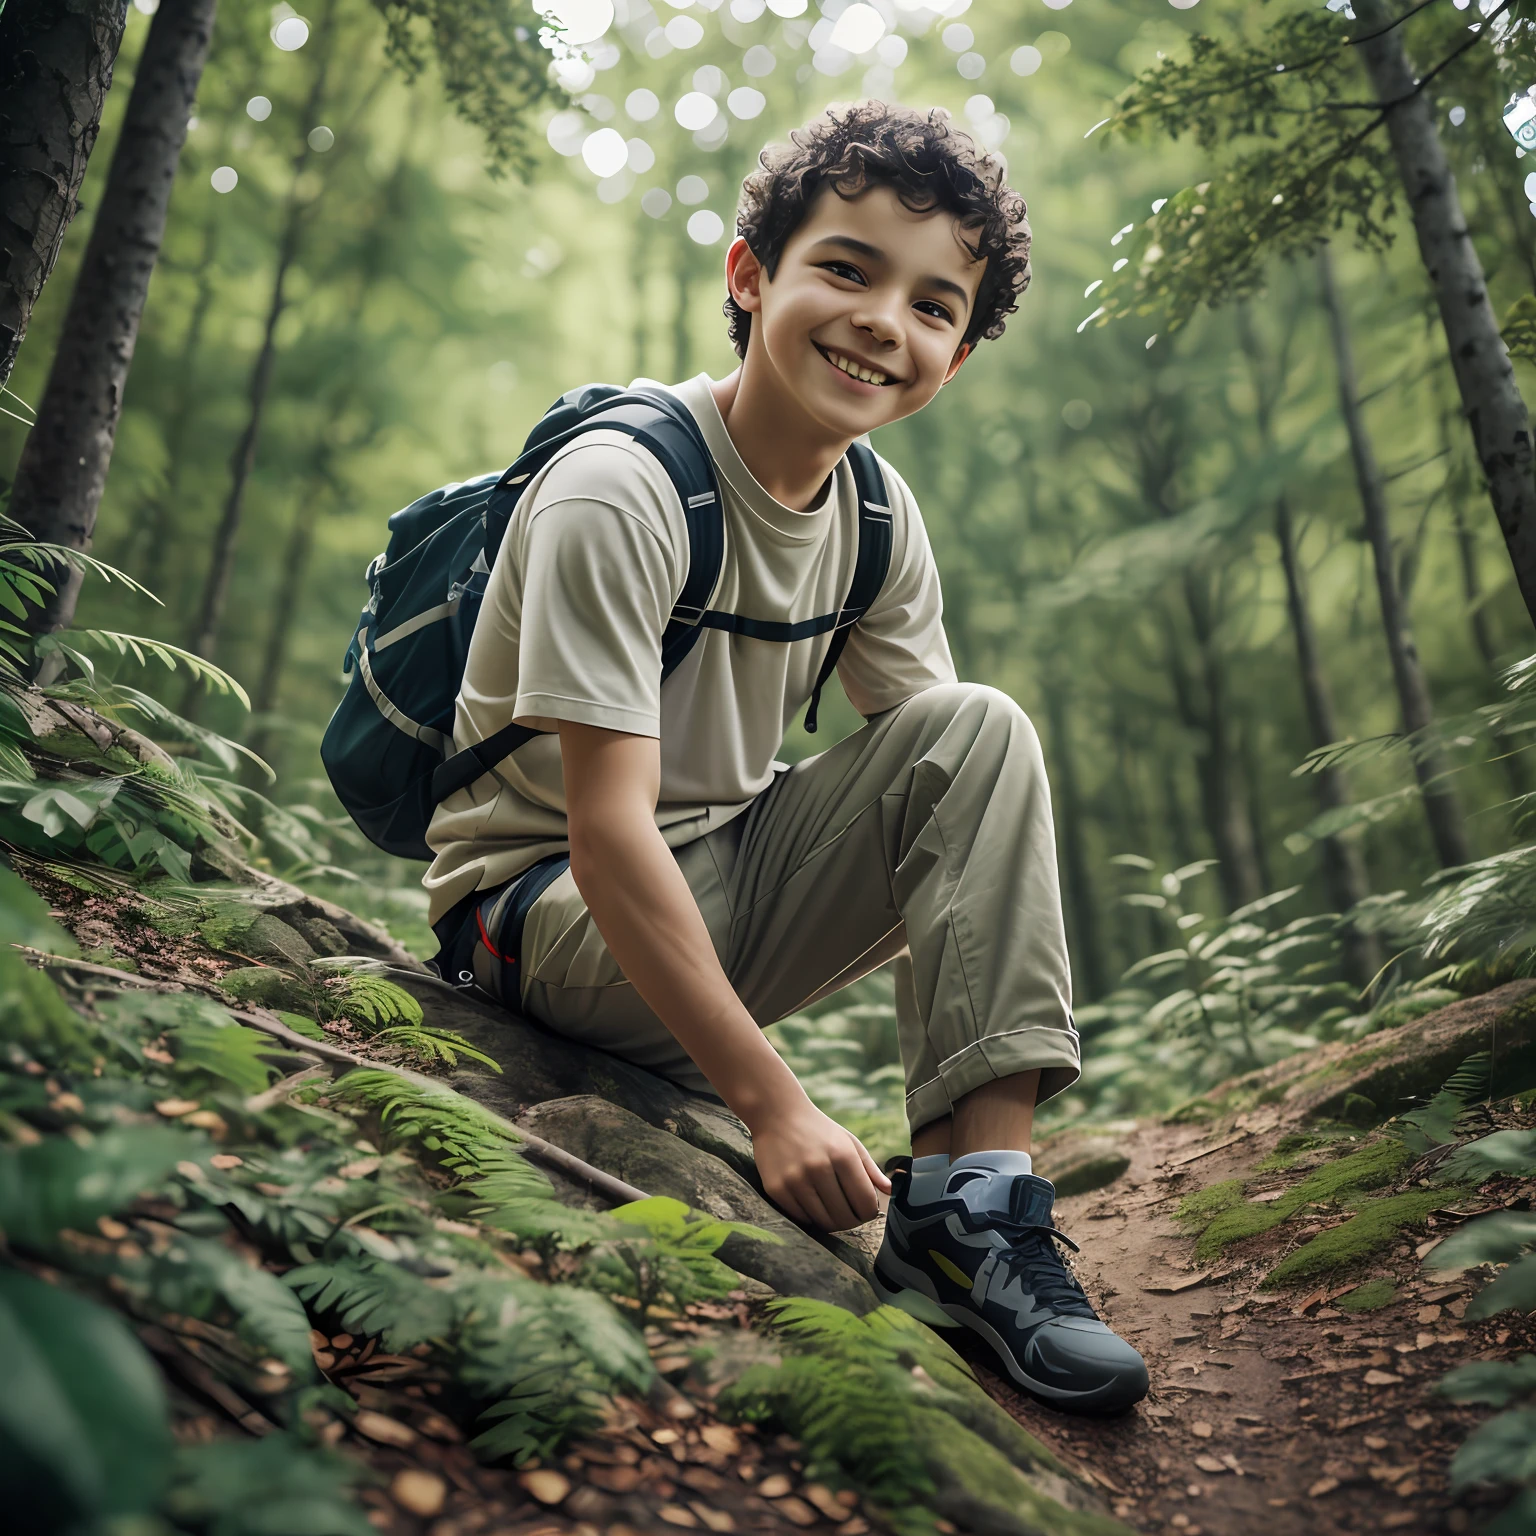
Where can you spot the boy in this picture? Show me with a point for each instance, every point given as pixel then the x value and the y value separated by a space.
pixel 709 889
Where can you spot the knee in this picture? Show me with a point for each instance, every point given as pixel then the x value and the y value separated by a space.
pixel 988 713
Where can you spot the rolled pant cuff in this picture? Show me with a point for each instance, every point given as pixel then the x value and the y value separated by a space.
pixel 1054 1051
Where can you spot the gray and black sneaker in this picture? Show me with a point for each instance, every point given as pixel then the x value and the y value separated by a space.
pixel 979 1244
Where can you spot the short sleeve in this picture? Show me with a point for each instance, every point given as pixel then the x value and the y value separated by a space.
pixel 600 574
pixel 899 647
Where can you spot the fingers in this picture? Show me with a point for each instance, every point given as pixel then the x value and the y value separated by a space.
pixel 876 1177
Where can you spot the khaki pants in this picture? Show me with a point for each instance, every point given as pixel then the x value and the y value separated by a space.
pixel 925 837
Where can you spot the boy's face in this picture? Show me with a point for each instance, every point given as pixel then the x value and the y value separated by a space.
pixel 863 283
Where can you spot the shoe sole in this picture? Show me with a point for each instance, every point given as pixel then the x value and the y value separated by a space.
pixel 1113 1397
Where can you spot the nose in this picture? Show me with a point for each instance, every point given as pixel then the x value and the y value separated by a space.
pixel 879 314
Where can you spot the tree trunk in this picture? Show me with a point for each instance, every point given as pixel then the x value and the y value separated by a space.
pixel 63 467
pixel 1343 866
pixel 55 70
pixel 1495 411
pixel 290 583
pixel 1066 796
pixel 1215 762
pixel 1441 807
pixel 204 633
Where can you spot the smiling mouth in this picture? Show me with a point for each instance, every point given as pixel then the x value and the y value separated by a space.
pixel 853 370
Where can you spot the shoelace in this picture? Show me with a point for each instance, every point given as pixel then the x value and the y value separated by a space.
pixel 1044 1271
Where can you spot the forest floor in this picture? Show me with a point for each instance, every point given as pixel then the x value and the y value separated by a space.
pixel 1283 1410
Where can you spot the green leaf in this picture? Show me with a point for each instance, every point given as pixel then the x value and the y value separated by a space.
pixel 1519 328
pixel 1495 1382
pixel 1503 1152
pixel 269 1487
pixel 371 1295
pixel 1502 1451
pixel 83 1411
pixel 57 1184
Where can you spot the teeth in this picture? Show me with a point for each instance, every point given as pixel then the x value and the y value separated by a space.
pixel 854 370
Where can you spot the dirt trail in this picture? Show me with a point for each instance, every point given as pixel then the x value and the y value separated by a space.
pixel 1270 1411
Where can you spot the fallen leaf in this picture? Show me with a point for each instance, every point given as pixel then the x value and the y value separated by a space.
pixel 421 1493
pixel 1425 1249
pixel 857 1526
pixel 614 1479
pixel 1201 1429
pixel 360 1169
pixel 1419 1421
pixel 1321 1486
pixel 111 1228
pixel 1210 1464
pixel 207 1120
pixel 722 1438
pixel 174 1108
pixel 1173 1287
pixel 1375 1442
pixel 226 1160
pixel 380 1427
pixel 1381 1379
pixel 797 1510
pixel 775 1487
pixel 1426 1315
pixel 675 1514
pixel 549 1487
pixel 665 1436
pixel 715 1519
pixel 824 1500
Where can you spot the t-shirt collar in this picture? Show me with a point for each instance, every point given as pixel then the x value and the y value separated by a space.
pixel 697 395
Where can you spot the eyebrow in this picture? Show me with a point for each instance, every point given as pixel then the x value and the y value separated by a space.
pixel 864 248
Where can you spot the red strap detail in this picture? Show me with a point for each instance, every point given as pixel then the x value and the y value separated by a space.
pixel 485 939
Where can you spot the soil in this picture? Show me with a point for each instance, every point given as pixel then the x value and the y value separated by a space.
pixel 1272 1410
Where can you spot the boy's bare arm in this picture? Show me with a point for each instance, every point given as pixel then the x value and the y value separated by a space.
pixel 814 1169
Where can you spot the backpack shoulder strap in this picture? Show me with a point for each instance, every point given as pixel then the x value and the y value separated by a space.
pixel 666 428
pixel 871 567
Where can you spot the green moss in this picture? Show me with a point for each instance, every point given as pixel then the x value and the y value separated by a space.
pixel 1375 1226
pixel 267 987
pixel 1370 1297
pixel 1408 1006
pixel 1289 1150
pixel 1202 1207
pixel 1191 1112
pixel 1369 1168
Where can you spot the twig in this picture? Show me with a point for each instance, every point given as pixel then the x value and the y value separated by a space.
pixel 201 1379
pixel 259 1103
pixel 606 1184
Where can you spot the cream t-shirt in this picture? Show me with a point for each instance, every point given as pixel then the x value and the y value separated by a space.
pixel 571 624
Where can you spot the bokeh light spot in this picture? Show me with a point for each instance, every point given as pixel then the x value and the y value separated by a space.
pixel 705 226
pixel 1026 60
pixel 957 37
pixel 642 105
pixel 695 111
pixel 858 29
pixel 758 61
pixel 656 202
pixel 224 179
pixel 291 33
pixel 320 139
pixel 258 109
pixel 746 103
pixel 641 156
pixel 692 189
pixel 605 153
pixel 683 32
pixel 787 7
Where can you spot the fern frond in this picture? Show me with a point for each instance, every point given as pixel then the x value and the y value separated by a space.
pixel 143 650
pixel 372 1296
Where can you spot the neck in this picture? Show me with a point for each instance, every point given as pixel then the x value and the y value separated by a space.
pixel 789 452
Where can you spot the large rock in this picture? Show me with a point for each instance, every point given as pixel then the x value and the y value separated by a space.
pixel 538 1065
pixel 623 1144
pixel 1394 1067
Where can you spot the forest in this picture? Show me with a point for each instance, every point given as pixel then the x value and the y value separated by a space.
pixel 296 1240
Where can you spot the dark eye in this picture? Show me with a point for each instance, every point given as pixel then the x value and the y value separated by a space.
pixel 843 269
pixel 934 308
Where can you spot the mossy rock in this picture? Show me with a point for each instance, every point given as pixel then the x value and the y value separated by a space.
pixel 1078 1164
pixel 267 987
pixel 1231 1221
pixel 1408 1006
pixel 1377 1224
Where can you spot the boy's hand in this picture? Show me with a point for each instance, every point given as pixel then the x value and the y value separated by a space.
pixel 815 1171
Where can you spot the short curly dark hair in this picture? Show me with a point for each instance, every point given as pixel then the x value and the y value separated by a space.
pixel 925 160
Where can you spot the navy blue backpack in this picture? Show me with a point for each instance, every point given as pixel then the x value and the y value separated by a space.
pixel 389 747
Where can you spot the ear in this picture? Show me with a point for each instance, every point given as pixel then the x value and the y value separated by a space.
pixel 961 353
pixel 744 275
